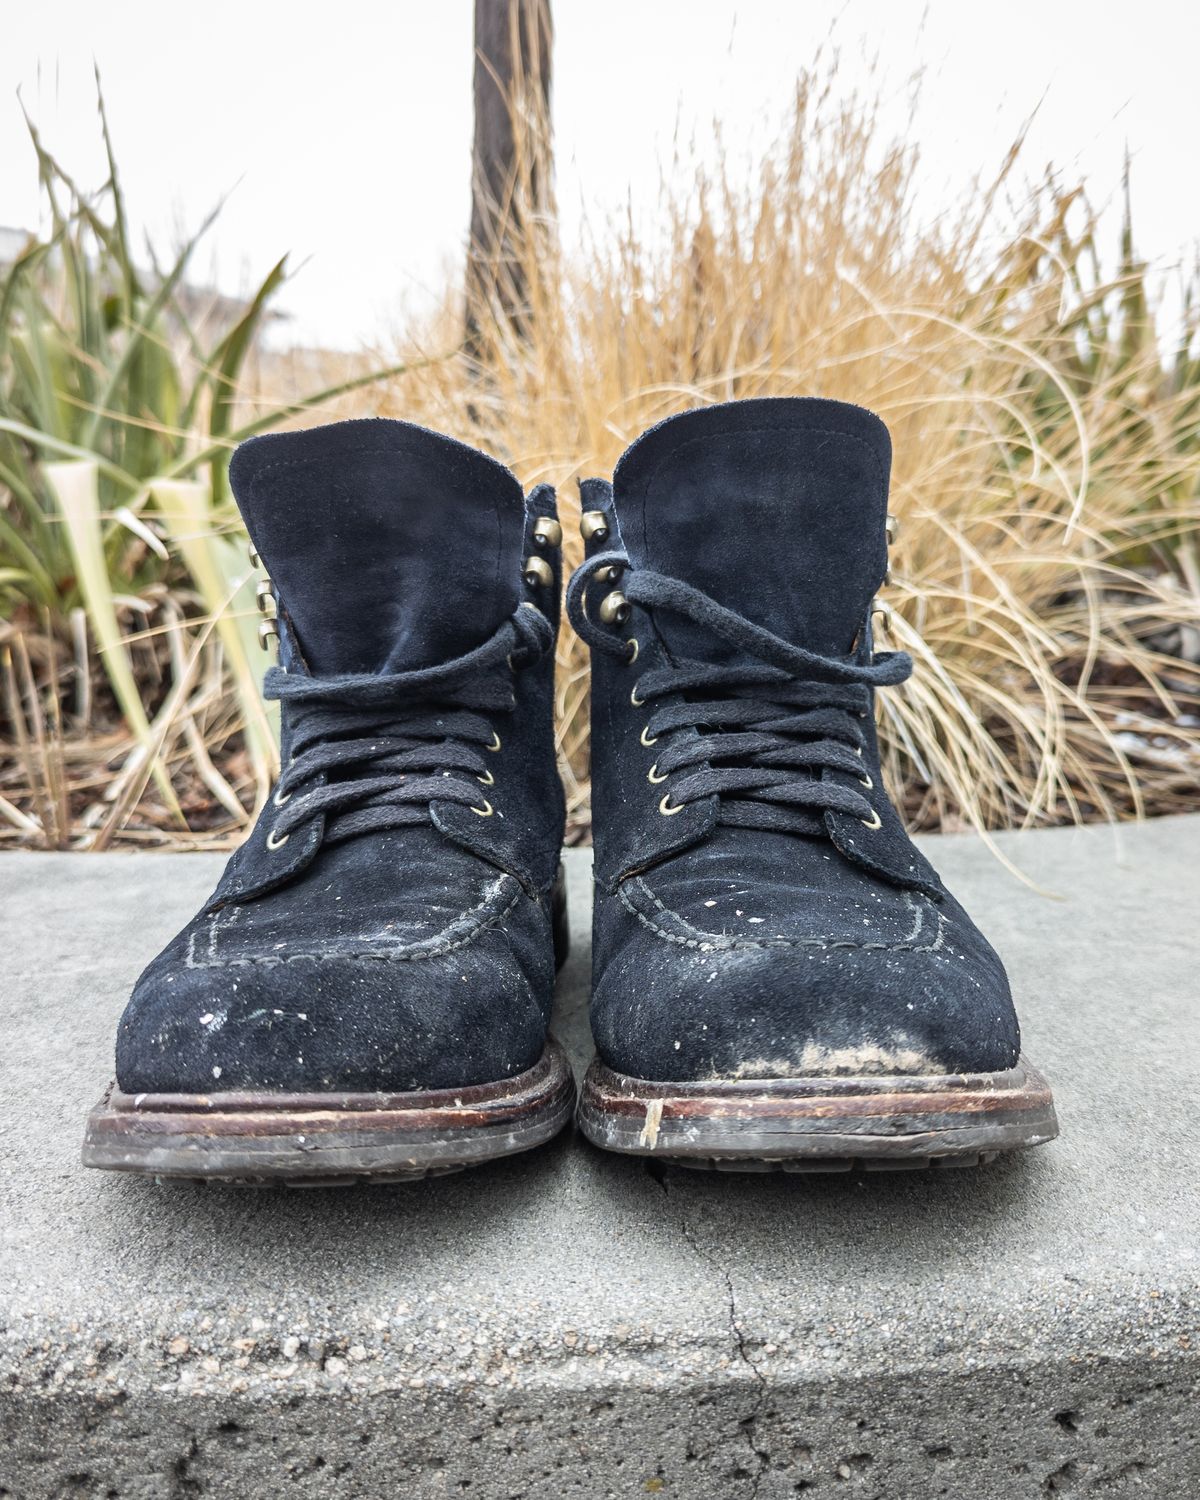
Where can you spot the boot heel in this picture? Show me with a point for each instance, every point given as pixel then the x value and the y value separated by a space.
pixel 558 918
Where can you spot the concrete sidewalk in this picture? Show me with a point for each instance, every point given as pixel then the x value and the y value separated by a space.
pixel 571 1324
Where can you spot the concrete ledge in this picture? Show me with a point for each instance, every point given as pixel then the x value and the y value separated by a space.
pixel 571 1324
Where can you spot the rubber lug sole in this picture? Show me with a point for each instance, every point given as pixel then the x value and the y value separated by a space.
pixel 831 1124
pixel 315 1140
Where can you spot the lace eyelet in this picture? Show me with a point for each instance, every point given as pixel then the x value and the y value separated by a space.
pixel 858 750
pixel 495 745
pixel 538 573
pixel 634 699
pixel 280 798
pixel 615 609
pixel 547 532
pixel 485 811
pixel 648 739
pixel 633 651
pixel 487 779
pixel 876 821
pixel 866 782
pixel 593 526
pixel 651 777
pixel 274 841
pixel 669 812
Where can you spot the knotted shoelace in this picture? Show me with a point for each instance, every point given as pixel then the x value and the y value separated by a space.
pixel 373 751
pixel 757 733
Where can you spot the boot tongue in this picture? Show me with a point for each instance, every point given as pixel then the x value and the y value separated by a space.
pixel 391 547
pixel 774 508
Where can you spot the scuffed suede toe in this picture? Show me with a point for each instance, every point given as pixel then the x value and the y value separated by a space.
pixel 911 988
pixel 380 1022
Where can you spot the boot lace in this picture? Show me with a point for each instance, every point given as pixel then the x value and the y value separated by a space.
pixel 758 733
pixel 371 752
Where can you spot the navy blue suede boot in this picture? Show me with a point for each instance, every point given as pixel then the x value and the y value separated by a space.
pixel 780 977
pixel 367 992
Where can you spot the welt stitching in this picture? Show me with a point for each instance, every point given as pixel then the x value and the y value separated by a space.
pixel 728 944
pixel 398 955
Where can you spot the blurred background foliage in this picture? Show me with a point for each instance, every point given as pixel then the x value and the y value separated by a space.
pixel 1047 473
pixel 129 651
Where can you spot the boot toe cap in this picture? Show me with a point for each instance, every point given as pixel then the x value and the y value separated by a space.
pixel 325 1022
pixel 670 1007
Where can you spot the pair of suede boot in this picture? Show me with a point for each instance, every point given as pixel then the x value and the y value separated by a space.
pixel 780 978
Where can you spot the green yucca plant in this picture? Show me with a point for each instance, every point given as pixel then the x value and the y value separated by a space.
pixel 118 409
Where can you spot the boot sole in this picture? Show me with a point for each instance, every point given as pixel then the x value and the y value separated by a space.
pixel 831 1124
pixel 325 1140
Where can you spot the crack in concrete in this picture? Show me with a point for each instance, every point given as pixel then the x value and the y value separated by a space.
pixel 747 1424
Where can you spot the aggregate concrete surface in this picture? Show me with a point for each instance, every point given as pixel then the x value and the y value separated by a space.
pixel 573 1324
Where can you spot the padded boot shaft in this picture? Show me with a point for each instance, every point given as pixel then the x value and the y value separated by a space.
pixel 392 547
pixel 387 924
pixel 760 910
pixel 775 508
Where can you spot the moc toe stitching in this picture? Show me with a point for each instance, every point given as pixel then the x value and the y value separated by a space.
pixel 431 947
pixel 928 1003
pixel 464 1018
pixel 696 937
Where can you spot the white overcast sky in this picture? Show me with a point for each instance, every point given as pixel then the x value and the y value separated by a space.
pixel 342 131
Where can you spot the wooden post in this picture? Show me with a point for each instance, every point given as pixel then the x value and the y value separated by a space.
pixel 511 158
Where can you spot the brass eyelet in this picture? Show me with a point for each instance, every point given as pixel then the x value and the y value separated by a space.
pixel 487 779
pixel 609 574
pixel 593 526
pixel 865 781
pixel 486 810
pixel 615 609
pixel 264 597
pixel 669 812
pixel 255 560
pixel 651 777
pixel 495 745
pixel 266 629
pixel 274 841
pixel 634 699
pixel 858 750
pixel 547 532
pixel 892 528
pixel 633 651
pixel 876 820
pixel 538 573
pixel 647 738
pixel 281 797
